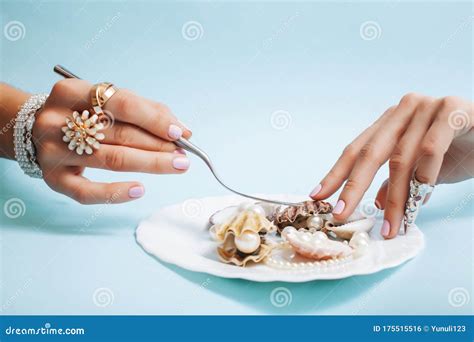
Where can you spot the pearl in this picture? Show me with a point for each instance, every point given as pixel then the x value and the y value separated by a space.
pixel 257 209
pixel 247 242
pixel 316 222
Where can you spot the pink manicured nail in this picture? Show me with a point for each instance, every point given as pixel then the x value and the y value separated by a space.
pixel 316 190
pixel 179 151
pixel 181 163
pixel 136 192
pixel 175 132
pixel 385 228
pixel 339 208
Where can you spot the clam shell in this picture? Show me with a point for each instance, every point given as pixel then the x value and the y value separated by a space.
pixel 230 255
pixel 347 230
pixel 241 222
pixel 224 215
pixel 316 246
pixel 269 209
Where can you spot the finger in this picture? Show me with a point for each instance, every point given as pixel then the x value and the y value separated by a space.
pixel 151 116
pixel 123 106
pixel 124 134
pixel 71 93
pixel 85 191
pixel 434 146
pixel 382 196
pixel 343 166
pixel 128 159
pixel 373 155
pixel 401 167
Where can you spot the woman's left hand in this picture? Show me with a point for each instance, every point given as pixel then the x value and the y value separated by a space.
pixel 424 137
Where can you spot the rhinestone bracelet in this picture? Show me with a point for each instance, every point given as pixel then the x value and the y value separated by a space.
pixel 25 152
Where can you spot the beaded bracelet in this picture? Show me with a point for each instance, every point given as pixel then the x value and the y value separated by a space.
pixel 25 152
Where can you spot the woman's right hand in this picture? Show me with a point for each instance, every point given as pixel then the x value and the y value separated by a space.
pixel 138 138
pixel 429 139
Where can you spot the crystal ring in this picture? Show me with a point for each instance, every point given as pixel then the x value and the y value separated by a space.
pixel 416 196
pixel 82 132
pixel 100 94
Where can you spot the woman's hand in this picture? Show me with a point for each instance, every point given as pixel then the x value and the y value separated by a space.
pixel 429 138
pixel 139 139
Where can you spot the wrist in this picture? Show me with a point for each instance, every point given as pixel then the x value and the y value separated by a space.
pixel 11 99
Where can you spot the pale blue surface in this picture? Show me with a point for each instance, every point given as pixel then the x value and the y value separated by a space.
pixel 253 59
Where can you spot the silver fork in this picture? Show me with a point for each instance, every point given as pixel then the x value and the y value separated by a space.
pixel 190 147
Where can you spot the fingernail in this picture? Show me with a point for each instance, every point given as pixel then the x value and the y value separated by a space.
pixel 181 163
pixel 175 132
pixel 316 190
pixel 339 208
pixel 179 151
pixel 385 228
pixel 136 192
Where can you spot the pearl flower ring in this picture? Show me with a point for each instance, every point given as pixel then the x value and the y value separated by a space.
pixel 82 132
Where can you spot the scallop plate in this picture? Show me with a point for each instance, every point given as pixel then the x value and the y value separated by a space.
pixel 179 235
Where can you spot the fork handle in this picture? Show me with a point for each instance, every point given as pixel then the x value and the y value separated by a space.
pixel 190 147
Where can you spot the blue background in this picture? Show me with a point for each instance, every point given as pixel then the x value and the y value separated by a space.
pixel 307 59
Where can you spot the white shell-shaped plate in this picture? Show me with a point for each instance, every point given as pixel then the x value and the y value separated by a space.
pixel 179 235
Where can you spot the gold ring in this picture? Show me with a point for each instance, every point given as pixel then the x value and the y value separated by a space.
pixel 100 94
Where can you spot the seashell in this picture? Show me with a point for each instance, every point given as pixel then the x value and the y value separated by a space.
pixel 359 239
pixel 355 216
pixel 297 215
pixel 241 238
pixel 315 246
pixel 226 214
pixel 241 222
pixel 347 230
pixel 268 208
pixel 232 256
